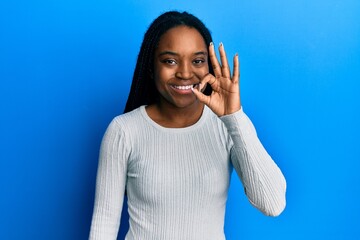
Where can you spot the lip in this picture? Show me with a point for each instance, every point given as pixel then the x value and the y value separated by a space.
pixel 183 89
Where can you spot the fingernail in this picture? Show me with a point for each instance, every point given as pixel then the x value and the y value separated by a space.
pixel 221 44
pixel 236 54
pixel 211 44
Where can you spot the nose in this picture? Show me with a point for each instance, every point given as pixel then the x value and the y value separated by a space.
pixel 184 71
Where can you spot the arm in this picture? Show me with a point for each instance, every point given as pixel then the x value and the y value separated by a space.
pixel 263 181
pixel 110 185
pixel 264 184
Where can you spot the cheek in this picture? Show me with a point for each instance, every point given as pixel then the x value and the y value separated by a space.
pixel 200 73
pixel 161 77
pixel 161 73
pixel 158 83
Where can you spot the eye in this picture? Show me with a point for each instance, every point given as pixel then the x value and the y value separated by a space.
pixel 198 61
pixel 169 61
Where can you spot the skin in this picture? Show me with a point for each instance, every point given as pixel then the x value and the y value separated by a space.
pixel 180 62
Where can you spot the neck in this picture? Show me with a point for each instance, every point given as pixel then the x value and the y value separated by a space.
pixel 171 116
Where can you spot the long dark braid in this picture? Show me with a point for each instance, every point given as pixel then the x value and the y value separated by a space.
pixel 143 90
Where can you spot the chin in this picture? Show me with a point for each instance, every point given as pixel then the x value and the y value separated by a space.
pixel 187 104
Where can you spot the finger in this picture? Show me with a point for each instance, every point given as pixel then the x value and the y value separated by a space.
pixel 202 97
pixel 225 70
pixel 214 61
pixel 236 73
pixel 209 78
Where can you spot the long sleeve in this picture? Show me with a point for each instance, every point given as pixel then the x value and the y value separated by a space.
pixel 264 183
pixel 110 184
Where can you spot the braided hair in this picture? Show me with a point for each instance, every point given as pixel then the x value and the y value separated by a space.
pixel 143 90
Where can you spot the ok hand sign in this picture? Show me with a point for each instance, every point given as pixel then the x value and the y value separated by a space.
pixel 225 97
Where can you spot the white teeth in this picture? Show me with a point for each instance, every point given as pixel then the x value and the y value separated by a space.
pixel 183 87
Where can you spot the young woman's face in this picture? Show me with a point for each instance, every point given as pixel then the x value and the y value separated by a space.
pixel 181 61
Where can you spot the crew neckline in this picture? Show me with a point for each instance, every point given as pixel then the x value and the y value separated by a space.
pixel 183 129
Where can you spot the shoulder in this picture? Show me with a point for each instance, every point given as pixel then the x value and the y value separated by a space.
pixel 125 123
pixel 129 117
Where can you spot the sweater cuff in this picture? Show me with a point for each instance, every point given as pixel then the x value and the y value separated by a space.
pixel 238 121
pixel 230 118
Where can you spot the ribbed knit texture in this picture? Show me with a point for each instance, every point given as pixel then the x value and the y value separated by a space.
pixel 177 179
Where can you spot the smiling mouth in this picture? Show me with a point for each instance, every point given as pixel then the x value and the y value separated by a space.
pixel 185 87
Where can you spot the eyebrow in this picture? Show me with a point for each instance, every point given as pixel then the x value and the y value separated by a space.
pixel 176 54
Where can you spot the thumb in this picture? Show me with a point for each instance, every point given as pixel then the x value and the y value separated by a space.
pixel 199 95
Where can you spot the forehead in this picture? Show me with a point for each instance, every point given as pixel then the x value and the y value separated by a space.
pixel 182 39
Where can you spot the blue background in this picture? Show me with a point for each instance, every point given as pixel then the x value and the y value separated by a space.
pixel 65 72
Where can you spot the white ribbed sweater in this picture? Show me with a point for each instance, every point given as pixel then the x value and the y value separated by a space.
pixel 177 179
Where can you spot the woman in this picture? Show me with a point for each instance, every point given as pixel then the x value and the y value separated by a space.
pixel 175 147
